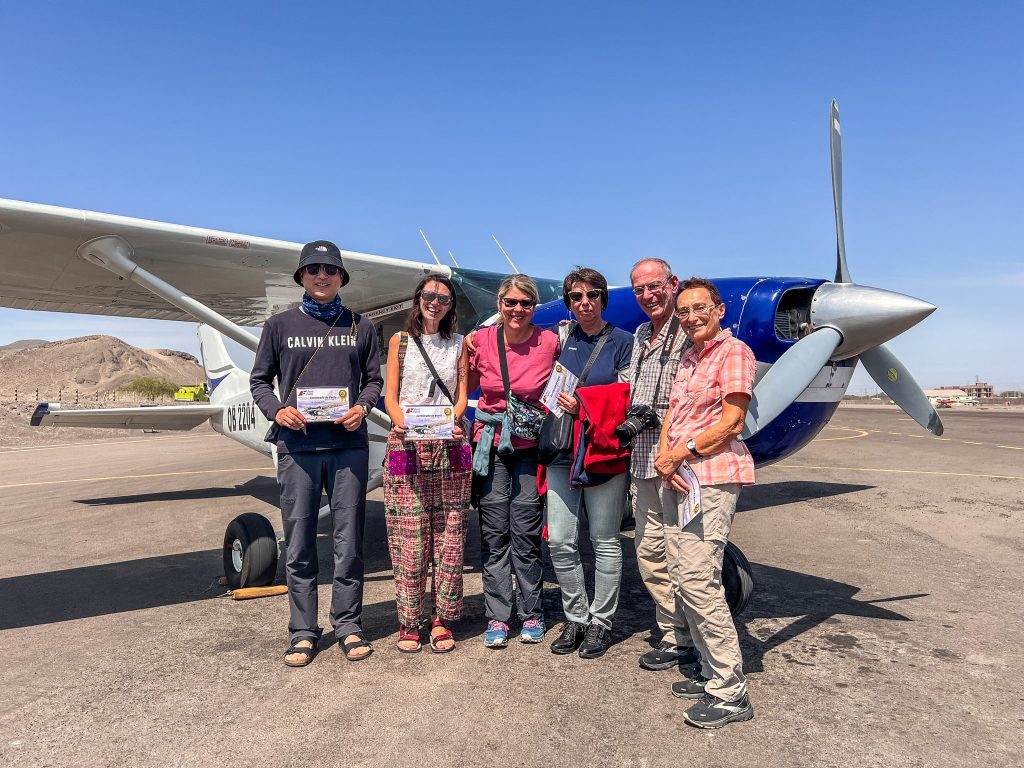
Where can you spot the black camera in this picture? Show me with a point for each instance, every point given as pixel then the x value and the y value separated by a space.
pixel 638 418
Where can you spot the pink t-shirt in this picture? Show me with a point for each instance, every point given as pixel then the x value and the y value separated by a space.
pixel 529 366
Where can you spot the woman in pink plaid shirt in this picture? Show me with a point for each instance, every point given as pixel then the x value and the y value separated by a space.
pixel 707 407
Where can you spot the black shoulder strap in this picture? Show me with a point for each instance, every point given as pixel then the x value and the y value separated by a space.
pixel 503 361
pixel 605 333
pixel 433 370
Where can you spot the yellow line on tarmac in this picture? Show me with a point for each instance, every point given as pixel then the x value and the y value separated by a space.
pixel 933 437
pixel 105 442
pixel 863 433
pixel 264 468
pixel 899 471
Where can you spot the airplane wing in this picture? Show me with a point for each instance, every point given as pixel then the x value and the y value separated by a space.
pixel 242 277
pixel 165 417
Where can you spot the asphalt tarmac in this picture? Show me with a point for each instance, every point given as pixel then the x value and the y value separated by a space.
pixel 885 629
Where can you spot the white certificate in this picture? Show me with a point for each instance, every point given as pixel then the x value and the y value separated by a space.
pixel 429 422
pixel 689 506
pixel 322 403
pixel 561 380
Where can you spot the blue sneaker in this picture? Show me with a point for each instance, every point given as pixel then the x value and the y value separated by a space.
pixel 532 631
pixel 496 635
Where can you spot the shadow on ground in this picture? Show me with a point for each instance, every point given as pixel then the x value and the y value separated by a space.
pixel 111 588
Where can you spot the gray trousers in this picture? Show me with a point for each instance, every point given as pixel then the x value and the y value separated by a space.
pixel 510 535
pixel 603 506
pixel 303 477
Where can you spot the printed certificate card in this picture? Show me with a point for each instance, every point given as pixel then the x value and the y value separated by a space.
pixel 561 380
pixel 690 505
pixel 322 403
pixel 429 422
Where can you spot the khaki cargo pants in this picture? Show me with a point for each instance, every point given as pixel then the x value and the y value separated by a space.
pixel 694 555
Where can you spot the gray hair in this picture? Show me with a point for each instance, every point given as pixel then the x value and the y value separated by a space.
pixel 652 260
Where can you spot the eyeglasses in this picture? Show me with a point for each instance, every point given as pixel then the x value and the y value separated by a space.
pixel 653 287
pixel 314 269
pixel 524 303
pixel 697 309
pixel 593 294
pixel 441 298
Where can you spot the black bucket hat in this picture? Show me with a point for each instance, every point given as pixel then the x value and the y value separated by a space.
pixel 321 252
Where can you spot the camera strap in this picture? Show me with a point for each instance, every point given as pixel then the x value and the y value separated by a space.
pixel 666 353
pixel 605 332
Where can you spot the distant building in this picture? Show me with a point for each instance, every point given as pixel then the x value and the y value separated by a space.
pixel 945 394
pixel 978 389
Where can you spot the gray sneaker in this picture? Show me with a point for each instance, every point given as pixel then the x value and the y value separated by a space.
pixel 713 712
pixel 690 688
pixel 667 655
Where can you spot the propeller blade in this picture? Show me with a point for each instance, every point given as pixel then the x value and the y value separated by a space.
pixel 895 380
pixel 788 377
pixel 835 145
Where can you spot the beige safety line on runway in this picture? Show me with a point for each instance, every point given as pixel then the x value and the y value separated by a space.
pixel 105 442
pixel 897 471
pixel 943 439
pixel 264 468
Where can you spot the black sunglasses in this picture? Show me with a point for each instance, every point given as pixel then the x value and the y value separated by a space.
pixel 593 294
pixel 524 303
pixel 441 298
pixel 314 269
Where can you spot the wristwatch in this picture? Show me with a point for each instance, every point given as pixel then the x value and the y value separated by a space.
pixel 691 446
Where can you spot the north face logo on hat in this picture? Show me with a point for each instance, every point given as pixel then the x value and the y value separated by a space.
pixel 322 248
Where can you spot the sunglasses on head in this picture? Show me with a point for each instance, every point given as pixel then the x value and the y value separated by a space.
pixel 524 303
pixel 593 294
pixel 441 298
pixel 314 269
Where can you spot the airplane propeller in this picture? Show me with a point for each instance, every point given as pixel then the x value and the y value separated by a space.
pixel 847 320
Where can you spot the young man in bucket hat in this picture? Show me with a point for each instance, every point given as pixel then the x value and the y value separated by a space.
pixel 326 362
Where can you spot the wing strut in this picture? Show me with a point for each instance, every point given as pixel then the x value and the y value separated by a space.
pixel 114 254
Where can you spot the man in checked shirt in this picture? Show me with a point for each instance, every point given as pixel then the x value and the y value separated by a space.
pixel 707 407
pixel 657 347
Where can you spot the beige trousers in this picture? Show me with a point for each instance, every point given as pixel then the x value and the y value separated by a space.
pixel 694 556
pixel 651 501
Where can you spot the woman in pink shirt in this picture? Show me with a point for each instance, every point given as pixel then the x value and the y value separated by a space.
pixel 507 424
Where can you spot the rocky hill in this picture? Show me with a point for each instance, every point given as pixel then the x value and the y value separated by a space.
pixel 90 364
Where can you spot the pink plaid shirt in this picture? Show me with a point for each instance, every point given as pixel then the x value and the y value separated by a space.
pixel 725 366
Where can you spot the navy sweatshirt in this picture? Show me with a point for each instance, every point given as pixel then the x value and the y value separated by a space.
pixel 287 344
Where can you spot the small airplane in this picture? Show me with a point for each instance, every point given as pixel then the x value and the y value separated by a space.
pixel 806 333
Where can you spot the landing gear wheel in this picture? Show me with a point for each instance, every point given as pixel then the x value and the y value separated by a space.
pixel 250 551
pixel 736 579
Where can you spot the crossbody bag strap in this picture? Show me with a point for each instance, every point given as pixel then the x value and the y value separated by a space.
pixel 503 362
pixel 322 342
pixel 605 333
pixel 433 370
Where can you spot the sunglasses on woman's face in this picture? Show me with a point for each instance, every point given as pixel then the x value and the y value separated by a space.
pixel 441 298
pixel 593 294
pixel 314 269
pixel 524 303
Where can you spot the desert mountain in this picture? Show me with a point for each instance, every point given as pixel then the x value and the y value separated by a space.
pixel 89 364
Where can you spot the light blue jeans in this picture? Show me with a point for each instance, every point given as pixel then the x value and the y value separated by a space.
pixel 604 506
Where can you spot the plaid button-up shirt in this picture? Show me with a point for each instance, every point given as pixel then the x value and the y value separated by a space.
pixel 644 381
pixel 725 366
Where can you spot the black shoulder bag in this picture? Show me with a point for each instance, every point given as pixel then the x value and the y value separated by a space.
pixel 556 432
pixel 523 419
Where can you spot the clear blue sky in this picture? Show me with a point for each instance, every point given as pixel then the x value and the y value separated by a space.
pixel 577 132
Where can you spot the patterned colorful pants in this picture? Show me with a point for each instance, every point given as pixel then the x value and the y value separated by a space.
pixel 426 496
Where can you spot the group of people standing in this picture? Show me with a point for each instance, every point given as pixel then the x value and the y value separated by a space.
pixel 673 392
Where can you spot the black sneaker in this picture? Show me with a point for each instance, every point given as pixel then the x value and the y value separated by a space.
pixel 569 638
pixel 690 688
pixel 598 640
pixel 713 712
pixel 667 655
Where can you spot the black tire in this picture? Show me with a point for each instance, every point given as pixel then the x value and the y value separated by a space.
pixel 257 546
pixel 737 579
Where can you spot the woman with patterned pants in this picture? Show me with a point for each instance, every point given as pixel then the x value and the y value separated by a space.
pixel 427 481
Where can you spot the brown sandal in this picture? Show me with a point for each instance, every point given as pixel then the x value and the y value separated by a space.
pixel 440 637
pixel 408 635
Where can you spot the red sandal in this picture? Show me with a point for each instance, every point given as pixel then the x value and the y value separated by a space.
pixel 440 637
pixel 410 635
